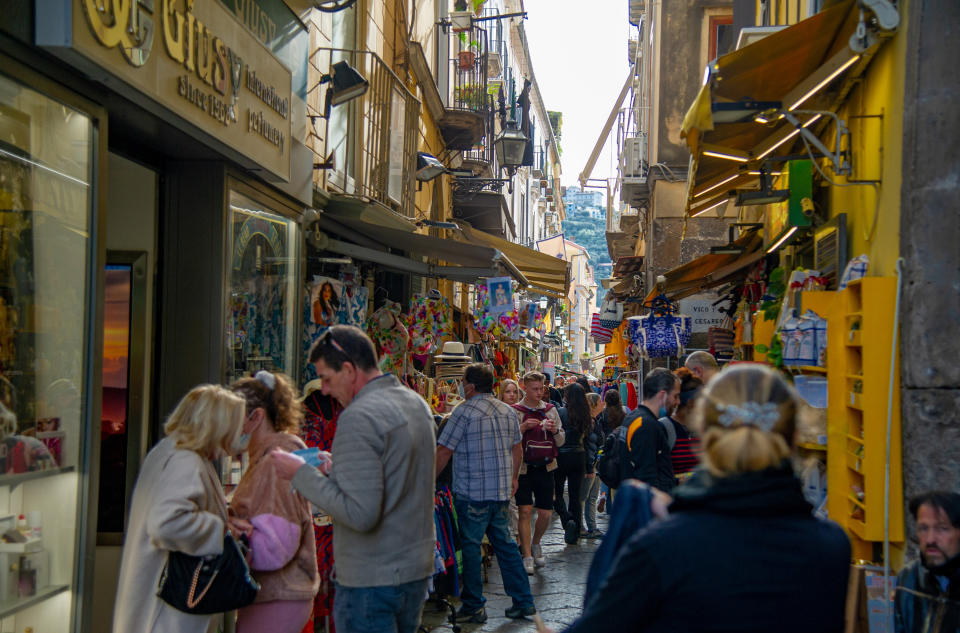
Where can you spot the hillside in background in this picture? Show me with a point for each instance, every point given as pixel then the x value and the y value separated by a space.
pixel 585 224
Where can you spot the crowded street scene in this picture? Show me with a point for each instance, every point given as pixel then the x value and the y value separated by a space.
pixel 475 316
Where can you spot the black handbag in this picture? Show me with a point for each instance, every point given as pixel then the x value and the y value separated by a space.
pixel 203 585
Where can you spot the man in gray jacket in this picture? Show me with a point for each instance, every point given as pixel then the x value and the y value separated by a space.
pixel 378 491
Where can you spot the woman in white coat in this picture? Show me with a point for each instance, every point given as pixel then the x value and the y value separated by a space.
pixel 178 505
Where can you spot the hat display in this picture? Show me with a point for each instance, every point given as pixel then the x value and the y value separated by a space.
pixel 453 351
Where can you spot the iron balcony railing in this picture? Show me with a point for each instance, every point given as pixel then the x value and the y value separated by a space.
pixel 366 146
pixel 468 71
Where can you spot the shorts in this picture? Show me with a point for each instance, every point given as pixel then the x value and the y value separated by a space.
pixel 537 484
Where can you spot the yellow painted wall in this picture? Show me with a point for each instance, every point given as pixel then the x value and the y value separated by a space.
pixel 877 147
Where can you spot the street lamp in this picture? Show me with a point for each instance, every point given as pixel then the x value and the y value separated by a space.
pixel 510 146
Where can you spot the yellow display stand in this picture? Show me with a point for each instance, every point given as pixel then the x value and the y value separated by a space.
pixel 860 334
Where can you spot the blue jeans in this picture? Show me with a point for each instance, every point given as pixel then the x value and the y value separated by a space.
pixel 386 609
pixel 477 518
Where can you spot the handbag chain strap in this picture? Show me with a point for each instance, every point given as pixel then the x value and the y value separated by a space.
pixel 191 602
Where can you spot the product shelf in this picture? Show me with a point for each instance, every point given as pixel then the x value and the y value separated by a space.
pixel 9 607
pixel 856 420
pixel 812 369
pixel 810 446
pixel 18 478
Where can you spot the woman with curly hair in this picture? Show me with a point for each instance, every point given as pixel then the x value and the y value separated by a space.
pixel 277 521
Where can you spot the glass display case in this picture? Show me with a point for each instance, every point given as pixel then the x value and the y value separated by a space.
pixel 261 288
pixel 46 198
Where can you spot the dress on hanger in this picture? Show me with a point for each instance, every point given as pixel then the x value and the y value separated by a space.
pixel 319 427
pixel 428 321
pixel 391 338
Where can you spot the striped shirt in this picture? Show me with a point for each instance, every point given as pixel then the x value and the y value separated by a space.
pixel 482 432
pixel 686 450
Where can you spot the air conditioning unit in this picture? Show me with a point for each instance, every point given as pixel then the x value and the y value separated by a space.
pixel 634 157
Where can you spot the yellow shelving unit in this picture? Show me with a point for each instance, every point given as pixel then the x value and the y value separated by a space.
pixel 860 333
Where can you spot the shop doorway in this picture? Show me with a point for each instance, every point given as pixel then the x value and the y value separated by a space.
pixel 128 350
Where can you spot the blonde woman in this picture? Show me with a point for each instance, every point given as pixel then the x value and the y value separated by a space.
pixel 741 543
pixel 178 505
pixel 510 391
pixel 277 521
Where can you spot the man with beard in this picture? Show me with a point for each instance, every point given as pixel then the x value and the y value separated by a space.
pixel 928 590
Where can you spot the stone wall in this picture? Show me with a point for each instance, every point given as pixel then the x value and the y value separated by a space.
pixel 930 245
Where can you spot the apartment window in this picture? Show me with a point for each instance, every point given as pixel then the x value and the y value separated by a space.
pixel 721 36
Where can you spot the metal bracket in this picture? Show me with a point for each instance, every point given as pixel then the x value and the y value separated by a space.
pixel 841 165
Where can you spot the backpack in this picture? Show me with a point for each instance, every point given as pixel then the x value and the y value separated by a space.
pixel 616 453
pixel 539 447
pixel 671 432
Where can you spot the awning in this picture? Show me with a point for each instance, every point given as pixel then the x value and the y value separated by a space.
pixel 710 271
pixel 544 273
pixel 370 242
pixel 790 71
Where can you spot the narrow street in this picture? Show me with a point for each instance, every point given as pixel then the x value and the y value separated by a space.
pixel 557 588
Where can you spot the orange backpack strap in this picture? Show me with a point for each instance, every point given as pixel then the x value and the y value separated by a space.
pixel 636 424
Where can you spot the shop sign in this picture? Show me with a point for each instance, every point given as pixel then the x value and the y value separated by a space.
pixel 701 310
pixel 197 60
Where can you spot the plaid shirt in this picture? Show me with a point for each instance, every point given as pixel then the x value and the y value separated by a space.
pixel 482 433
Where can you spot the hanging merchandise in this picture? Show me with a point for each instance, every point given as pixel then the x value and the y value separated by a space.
pixel 599 333
pixel 528 315
pixel 500 290
pixel 489 322
pixel 662 332
pixel 325 300
pixel 804 340
pixel 611 311
pixel 390 336
pixel 353 305
pixel 856 269
pixel 721 339
pixel 428 321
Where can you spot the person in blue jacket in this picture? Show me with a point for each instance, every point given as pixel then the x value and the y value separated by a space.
pixel 741 550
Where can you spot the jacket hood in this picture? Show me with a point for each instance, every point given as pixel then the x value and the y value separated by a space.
pixel 772 492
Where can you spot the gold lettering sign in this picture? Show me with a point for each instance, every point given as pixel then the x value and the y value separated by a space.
pixel 209 70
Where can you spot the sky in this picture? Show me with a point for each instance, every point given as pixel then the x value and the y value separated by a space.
pixel 579 52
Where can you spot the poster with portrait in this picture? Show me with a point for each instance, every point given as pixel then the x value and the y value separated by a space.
pixel 325 297
pixel 500 291
pixel 528 314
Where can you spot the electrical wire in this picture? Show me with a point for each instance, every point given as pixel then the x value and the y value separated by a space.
pixel 886 463
pixel 868 233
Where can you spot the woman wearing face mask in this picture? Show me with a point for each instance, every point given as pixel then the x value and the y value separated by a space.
pixel 277 521
pixel 178 505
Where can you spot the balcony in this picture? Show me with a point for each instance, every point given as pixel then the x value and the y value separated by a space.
pixel 481 159
pixel 464 121
pixel 365 150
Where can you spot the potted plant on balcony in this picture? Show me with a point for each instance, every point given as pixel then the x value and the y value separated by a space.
pixel 469 96
pixel 468 56
pixel 460 18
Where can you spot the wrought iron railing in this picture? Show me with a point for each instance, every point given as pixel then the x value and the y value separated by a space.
pixel 468 70
pixel 367 146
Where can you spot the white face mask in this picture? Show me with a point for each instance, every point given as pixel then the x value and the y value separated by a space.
pixel 241 443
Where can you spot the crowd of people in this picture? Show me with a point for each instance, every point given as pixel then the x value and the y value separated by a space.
pixel 709 528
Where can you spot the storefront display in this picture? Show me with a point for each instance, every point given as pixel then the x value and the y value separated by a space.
pixel 46 201
pixel 262 278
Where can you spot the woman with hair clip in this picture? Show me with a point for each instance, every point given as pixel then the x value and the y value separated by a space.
pixel 276 520
pixel 740 550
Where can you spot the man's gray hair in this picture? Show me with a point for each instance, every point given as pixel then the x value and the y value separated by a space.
pixel 703 360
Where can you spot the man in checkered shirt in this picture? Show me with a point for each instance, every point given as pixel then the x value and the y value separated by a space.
pixel 483 437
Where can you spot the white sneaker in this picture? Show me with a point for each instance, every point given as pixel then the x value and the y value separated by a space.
pixel 538 558
pixel 528 565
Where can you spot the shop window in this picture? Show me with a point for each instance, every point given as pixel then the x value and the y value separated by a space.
pixel 262 291
pixel 46 197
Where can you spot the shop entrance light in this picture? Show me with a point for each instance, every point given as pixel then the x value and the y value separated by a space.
pixel 428 167
pixel 740 111
pixel 783 239
pixel 766 194
pixel 730 248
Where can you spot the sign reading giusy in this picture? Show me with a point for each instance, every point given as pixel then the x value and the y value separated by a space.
pixel 196 59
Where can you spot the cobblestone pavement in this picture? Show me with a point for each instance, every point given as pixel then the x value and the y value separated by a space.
pixel 557 588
